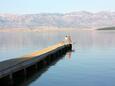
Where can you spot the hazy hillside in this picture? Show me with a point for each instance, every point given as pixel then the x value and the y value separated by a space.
pixel 107 28
pixel 71 20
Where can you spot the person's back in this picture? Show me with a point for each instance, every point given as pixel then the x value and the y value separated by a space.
pixel 67 40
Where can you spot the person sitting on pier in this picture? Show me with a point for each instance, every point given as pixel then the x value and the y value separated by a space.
pixel 68 40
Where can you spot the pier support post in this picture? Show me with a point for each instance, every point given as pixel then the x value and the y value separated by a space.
pixel 36 66
pixel 11 79
pixel 25 72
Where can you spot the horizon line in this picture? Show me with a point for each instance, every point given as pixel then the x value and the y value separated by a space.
pixel 21 13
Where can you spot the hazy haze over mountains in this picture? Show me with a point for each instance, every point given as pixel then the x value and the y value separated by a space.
pixel 81 19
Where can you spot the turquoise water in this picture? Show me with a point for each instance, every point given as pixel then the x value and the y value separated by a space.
pixel 91 64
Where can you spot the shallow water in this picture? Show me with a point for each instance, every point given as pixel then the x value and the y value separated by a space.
pixel 91 64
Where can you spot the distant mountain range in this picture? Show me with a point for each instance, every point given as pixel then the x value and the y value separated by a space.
pixel 80 19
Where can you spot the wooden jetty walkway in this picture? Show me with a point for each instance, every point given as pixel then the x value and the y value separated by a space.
pixel 12 68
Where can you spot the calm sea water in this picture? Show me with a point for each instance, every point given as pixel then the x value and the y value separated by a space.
pixel 91 64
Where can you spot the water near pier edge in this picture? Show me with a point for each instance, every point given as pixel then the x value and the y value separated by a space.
pixel 91 64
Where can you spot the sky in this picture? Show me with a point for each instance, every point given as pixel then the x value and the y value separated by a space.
pixel 55 6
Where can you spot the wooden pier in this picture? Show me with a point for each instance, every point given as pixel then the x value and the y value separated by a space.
pixel 20 67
